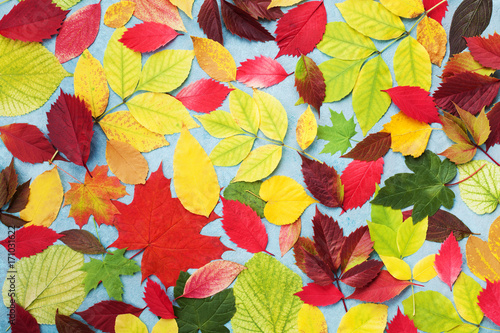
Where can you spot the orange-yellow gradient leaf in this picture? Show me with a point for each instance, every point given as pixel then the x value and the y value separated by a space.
pixel 126 162
pixel 306 130
pixel 494 238
pixel 214 59
pixel 409 136
pixel 118 14
pixel 185 5
pixel 433 38
pixel 482 263
pixel 289 234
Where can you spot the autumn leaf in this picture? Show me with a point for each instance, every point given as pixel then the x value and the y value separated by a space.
pixel 118 14
pixel 424 271
pixel 102 315
pixel 465 293
pixel 317 295
pixel 488 301
pixel 306 129
pixel 359 179
pixel 148 36
pixel 370 318
pixel 442 223
pixel 494 120
pixel 126 323
pixel 482 257
pixel 479 192
pixel 66 324
pixel 432 36
pixel 412 64
pixel 260 9
pixel 260 163
pixel 260 72
pixel 204 95
pixel 415 102
pixel 30 241
pixel 158 11
pixel 25 322
pixel 273 117
pixel 464 150
pixel 381 289
pixel 209 20
pixel 401 323
pixel 448 262
pixel 340 77
pixel 310 82
pixel 158 301
pixel 438 11
pixel 338 135
pixel 243 192
pixel 126 162
pixel 242 24
pixel 409 9
pixel 214 59
pixel 371 148
pixel 311 320
pixel 463 62
pixel 289 234
pixel 82 241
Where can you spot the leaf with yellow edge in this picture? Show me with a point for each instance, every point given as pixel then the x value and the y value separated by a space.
pixel 231 151
pixel 408 136
pixel 282 3
pixel 214 59
pixel 195 180
pixel 482 263
pixel 366 318
pixel 244 110
pixel 128 323
pixel 412 64
pixel 397 267
pixel 121 65
pixel 411 236
pixel 46 195
pixel 464 328
pixel 273 118
pixel 219 124
pixel 465 292
pixel 311 320
pixel 343 42
pixel 118 14
pixel 160 113
pixel 122 126
pixel 166 326
pixel 185 5
pixel 404 8
pixel 424 270
pixel 433 38
pixel 126 162
pixel 90 83
pixel 306 129
pixel 285 200
pixel 259 164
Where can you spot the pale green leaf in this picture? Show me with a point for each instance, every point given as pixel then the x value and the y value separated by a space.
pixel 219 124
pixel 412 64
pixel 340 77
pixel 273 118
pixel 464 328
pixel 231 151
pixel 244 110
pixel 465 292
pixel 366 318
pixel 411 236
pixel 66 4
pixel 384 239
pixel 392 218
pixel 481 192
pixel 259 164
pixel 338 135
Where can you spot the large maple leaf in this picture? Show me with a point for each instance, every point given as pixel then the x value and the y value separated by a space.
pixel 168 233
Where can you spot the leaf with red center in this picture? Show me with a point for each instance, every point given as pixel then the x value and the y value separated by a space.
pixel 31 240
pixel 362 274
pixel 401 323
pixel 158 301
pixel 317 295
pixel 381 289
pixel 261 72
pixel 66 324
pixel 359 179
pixel 78 32
pixel 168 233
pixel 24 321
pixel 243 226
pixel 103 314
pixel 204 95
pixel 242 24
pixel 448 262
pixel 32 21
pixel 494 119
pixel 302 246
pixel 258 9
pixel 301 28
pixel 323 182
pixel 148 36
pixel 489 301
pixel 94 196
pixel 209 20
pixel 310 82
pixel 486 51
pixel 70 128
pixel 356 248
pixel 328 239
pixel 289 234
pixel 415 102
pixel 438 12
pixel 371 148
pixel 317 269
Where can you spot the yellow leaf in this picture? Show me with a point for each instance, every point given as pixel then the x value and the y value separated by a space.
pixel 397 267
pixel 220 124
pixel 273 118
pixel 282 3
pixel 185 5
pixel 195 180
pixel 424 270
pixel 259 164
pixel 311 320
pixel 433 38
pixel 122 126
pixel 46 195
pixel 126 162
pixel 118 14
pixel 465 292
pixel 482 263
pixel 404 8
pixel 307 128
pixel 494 238
pixel 244 110
pixel 231 151
pixel 366 318
pixel 90 83
pixel 411 236
pixel 166 326
pixel 409 136
pixel 412 64
pixel 285 200
pixel 128 323
pixel 214 59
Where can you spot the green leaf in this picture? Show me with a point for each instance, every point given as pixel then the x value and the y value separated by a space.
pixel 273 118
pixel 66 4
pixel 465 292
pixel 166 70
pixel 366 318
pixel 244 110
pixel 384 239
pixel 340 77
pixel 343 42
pixel 121 65
pixel 209 315
pixel 231 151
pixel 411 236
pixel 259 164
pixel 412 64
pixel 109 271
pixel 425 188
pixel 464 328
pixel 480 192
pixel 368 100
pixel 338 135
pixel 219 124
pixel 371 19
pixel 265 300
pixel 434 312
pixel 392 218
pixel 48 281
pixel 29 75
pixel 242 192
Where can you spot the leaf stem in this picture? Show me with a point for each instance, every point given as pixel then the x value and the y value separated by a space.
pixel 484 151
pixel 338 286
pixel 404 34
pixel 278 143
pixel 98 119
pixel 142 250
pixel 461 181
pixel 255 195
pixel 435 6
pixel 66 172
pixel 413 296
pixel 97 233
pixel 487 328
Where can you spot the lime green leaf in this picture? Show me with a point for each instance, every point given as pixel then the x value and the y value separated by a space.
pixel 424 270
pixel 368 101
pixel 338 135
pixel 371 19
pixel 366 318
pixel 397 267
pixel 343 42
pixel 128 323
pixel 464 328
pixel 392 218
pixel 66 4
pixel 273 118
pixel 48 281
pixel 121 65
pixel 244 193
pixel 384 239
pixel 412 64
pixel 411 236
pixel 340 77
pixel 265 300
pixel 29 74
pixel 465 292
pixel 231 151
pixel 259 164
pixel 244 110
pixel 481 192
pixel 219 124
pixel 166 70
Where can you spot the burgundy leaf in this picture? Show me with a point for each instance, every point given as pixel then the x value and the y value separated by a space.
pixel 66 324
pixel 209 20
pixel 23 321
pixel 381 289
pixel 371 148
pixel 261 72
pixel 158 301
pixel 31 240
pixel 494 119
pixel 317 270
pixel 328 239
pixel 20 198
pixel 11 220
pixel 362 274
pixel 241 23
pixel 317 295
pixel 148 36
pixel 323 182
pixel 258 9
pixel 103 314
pixel 441 224
pixel 204 95
pixel 303 245
pixel 8 183
pixel 310 82
pixel 356 248
pixel 82 241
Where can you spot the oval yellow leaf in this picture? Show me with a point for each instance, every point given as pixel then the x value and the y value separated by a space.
pixel 433 38
pixel 126 162
pixel 465 292
pixel 366 318
pixel 244 110
pixel 408 136
pixel 259 164
pixel 214 59
pixel 285 200
pixel 282 3
pixel 494 238
pixel 306 129
pixel 166 326
pixel 231 151
pixel 195 180
pixel 128 323
pixel 185 5
pixel 46 195
pixel 311 320
pixel 412 64
pixel 118 14
pixel 273 118
pixel 397 267
pixel 424 270
pixel 482 263
pixel 404 8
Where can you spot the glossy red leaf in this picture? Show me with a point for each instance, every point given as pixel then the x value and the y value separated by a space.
pixel 415 102
pixel 486 51
pixel 31 240
pixel 242 24
pixel 381 289
pixel 359 179
pixel 258 9
pixel 438 12
pixel 260 72
pixel 310 82
pixel 157 301
pixel 204 95
pixel 371 148
pixel 66 324
pixel 328 239
pixel 82 241
pixel 32 21
pixel 489 301
pixel 448 262
pixel 362 274
pixel 209 20
pixel 148 36
pixel 356 247
pixel 301 28
pixel 494 120
pixel 23 321
pixel 401 323
pixel 78 32
pixel 317 295
pixel 323 182
pixel 317 269
pixel 103 314
pixel 289 234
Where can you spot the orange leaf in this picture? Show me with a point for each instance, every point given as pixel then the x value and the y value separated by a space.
pixel 214 59
pixel 432 36
pixel 126 162
pixel 159 11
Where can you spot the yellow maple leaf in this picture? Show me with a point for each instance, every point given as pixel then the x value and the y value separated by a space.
pixel 409 136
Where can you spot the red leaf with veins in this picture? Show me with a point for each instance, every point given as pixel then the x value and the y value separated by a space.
pixel 359 179
pixel 323 182
pixel 401 323
pixel 317 295
pixel 489 301
pixel 204 95
pixel 438 12
pixel 301 28
pixel 209 20
pixel 362 274
pixel 356 248
pixel 241 23
pixel 103 314
pixel 371 148
pixel 317 270
pixel 78 32
pixel 32 240
pixel 302 246
pixel 486 51
pixel 310 82
pixel 382 289
pixel 494 119
pixel 261 72
pixel 25 322
pixel 158 301
pixel 258 9
pixel 148 36
pixel 415 102
pixel 328 239
pixel 448 262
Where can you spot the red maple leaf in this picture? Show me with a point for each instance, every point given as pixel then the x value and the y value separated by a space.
pixel 448 262
pixel 381 289
pixel 494 119
pixel 24 321
pixel 148 36
pixel 317 295
pixel 261 72
pixel 31 240
pixel 438 12
pixel 103 314
pixel 359 179
pixel 401 323
pixel 32 21
pixel 168 234
pixel 242 24
pixel 310 82
pixel 415 102
pixel 204 95
pixel 485 51
pixel 209 20
pixel 489 301
pixel 323 182
pixel 158 301
pixel 258 9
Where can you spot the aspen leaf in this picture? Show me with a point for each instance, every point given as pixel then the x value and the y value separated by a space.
pixel 397 267
pixel 433 38
pixel 340 77
pixel 408 136
pixel 259 164
pixel 126 162
pixel 128 323
pixel 412 64
pixel 244 110
pixel 311 320
pixel 343 42
pixel 367 318
pixel 273 117
pixel 214 59
pixel 231 151
pixel 306 129
pixel 220 124
pixel 465 292
pixel 118 14
pixel 406 9
pixel 424 271
pixel 411 236
pixel 480 192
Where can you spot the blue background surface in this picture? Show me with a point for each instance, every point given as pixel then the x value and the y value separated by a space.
pixel 285 91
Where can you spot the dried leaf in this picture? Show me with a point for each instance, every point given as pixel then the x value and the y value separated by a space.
pixel 118 14
pixel 432 36
pixel 214 59
pixel 82 241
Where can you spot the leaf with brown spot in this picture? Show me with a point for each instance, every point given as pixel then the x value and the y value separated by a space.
pixel 433 37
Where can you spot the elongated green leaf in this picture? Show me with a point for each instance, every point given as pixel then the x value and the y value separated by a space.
pixel 465 292
pixel 220 124
pixel 259 164
pixel 481 192
pixel 384 239
pixel 231 151
pixel 121 65
pixel 265 300
pixel 244 110
pixel 368 101
pixel 273 118
pixel 166 70
pixel 29 74
pixel 340 77
pixel 48 281
pixel 411 236
pixel 412 64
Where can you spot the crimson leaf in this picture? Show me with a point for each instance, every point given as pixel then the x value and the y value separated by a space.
pixel 323 182
pixel 371 148
pixel 241 23
pixel 209 20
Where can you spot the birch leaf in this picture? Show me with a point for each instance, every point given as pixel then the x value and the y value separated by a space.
pixel 343 42
pixel 231 151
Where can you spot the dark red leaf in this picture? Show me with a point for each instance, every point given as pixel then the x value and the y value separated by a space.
pixel 240 23
pixel 317 270
pixel 323 182
pixel 438 12
pixel 328 239
pixel 8 183
pixel 310 82
pixel 489 301
pixel 356 247
pixel 302 245
pixel 258 9
pixel 148 36
pixel 82 241
pixel 485 51
pixel 20 198
pixel 22 321
pixel 103 314
pixel 371 148
pixel 11 220
pixel 261 72
pixel 381 289
pixel 362 274
pixel 441 224
pixel 209 20
pixel 494 119
pixel 448 262
pixel 317 295
pixel 78 32
pixel 32 21
pixel 401 323
pixel 359 179
pixel 204 95
pixel 31 240
pixel 158 301
pixel 415 102
pixel 66 324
